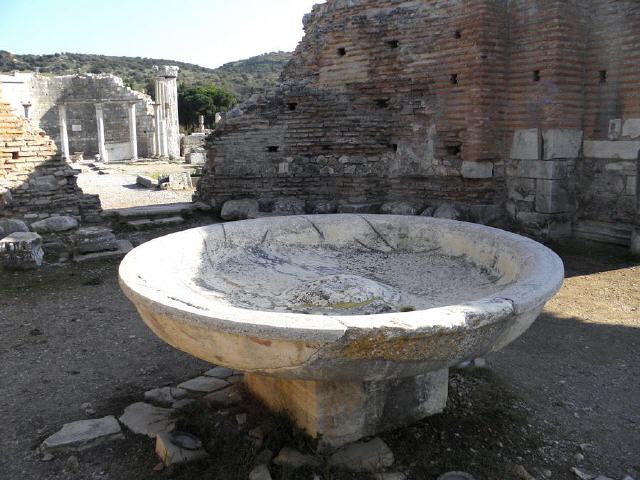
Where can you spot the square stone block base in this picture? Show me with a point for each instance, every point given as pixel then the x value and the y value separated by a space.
pixel 343 412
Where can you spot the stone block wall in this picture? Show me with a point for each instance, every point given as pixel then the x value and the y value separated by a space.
pixel 35 182
pixel 507 103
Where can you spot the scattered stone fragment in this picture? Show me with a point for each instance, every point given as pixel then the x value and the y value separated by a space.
pixel 145 419
pixel 363 456
pixel 185 440
pixel 294 459
pixel 323 207
pixel 241 418
pixel 447 211
pixel 95 239
pixel 180 181
pixel 47 457
pixel 21 251
pixel 398 208
pixel 72 464
pixel 581 474
pixel 10 225
pixel 82 435
pixel 165 396
pixel 225 397
pixel 88 409
pixel 204 384
pixel 239 209
pixel 260 472
pixel 55 224
pixel 455 476
pixel 289 206
pixel 578 457
pixel 219 372
pixel 172 454
pixel 147 182
pixel 521 473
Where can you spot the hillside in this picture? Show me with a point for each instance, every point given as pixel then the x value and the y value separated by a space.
pixel 242 78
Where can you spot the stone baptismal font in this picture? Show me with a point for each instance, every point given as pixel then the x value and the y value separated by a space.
pixel 348 322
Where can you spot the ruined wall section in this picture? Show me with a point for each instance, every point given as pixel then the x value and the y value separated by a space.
pixel 80 93
pixel 38 181
pixel 382 100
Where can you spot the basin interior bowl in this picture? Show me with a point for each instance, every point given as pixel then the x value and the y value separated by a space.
pixel 338 265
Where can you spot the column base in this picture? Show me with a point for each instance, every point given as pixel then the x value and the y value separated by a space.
pixel 342 412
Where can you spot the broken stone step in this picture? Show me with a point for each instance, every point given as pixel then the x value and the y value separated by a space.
pixel 160 222
pixel 124 247
pixel 82 435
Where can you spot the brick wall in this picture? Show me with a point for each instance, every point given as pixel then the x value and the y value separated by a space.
pixel 40 183
pixel 479 102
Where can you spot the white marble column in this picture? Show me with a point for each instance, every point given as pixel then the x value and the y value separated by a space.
pixel 102 150
pixel 156 126
pixel 201 122
pixel 64 138
pixel 133 135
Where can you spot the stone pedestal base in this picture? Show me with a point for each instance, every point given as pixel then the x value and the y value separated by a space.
pixel 21 251
pixel 343 412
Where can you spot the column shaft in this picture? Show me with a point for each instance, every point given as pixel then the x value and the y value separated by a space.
pixel 64 138
pixel 104 156
pixel 133 135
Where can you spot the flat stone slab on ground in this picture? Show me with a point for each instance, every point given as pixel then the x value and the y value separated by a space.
pixel 368 456
pixel 165 396
pixel 124 247
pixel 295 459
pixel 219 372
pixel 82 435
pixel 204 384
pixel 145 419
pixel 172 454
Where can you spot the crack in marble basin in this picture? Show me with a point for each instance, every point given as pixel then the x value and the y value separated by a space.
pixel 340 297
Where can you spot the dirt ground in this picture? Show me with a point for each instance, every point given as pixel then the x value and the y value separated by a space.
pixel 570 385
pixel 117 187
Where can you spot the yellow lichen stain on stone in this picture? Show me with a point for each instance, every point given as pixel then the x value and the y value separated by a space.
pixel 385 345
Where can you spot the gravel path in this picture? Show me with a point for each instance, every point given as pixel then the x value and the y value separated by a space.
pixel 117 185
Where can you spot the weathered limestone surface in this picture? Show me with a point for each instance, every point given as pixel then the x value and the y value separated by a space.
pixel 146 419
pixel 342 412
pixel 172 454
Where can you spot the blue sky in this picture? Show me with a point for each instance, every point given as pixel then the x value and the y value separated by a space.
pixel 206 32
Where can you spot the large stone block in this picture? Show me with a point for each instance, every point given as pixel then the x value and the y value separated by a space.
pixel 624 150
pixel 546 169
pixel 631 128
pixel 343 412
pixel 239 209
pixel 526 144
pixel 55 224
pixel 561 143
pixel 477 169
pixel 552 196
pixel 21 251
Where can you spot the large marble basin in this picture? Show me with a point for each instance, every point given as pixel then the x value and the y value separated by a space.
pixel 340 299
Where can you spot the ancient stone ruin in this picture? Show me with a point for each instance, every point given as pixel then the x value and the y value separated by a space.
pixel 35 182
pixel 512 111
pixel 92 114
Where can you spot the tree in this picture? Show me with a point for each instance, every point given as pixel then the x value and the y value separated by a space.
pixel 204 100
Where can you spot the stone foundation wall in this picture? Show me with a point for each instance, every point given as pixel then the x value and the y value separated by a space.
pixel 35 182
pixel 481 103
